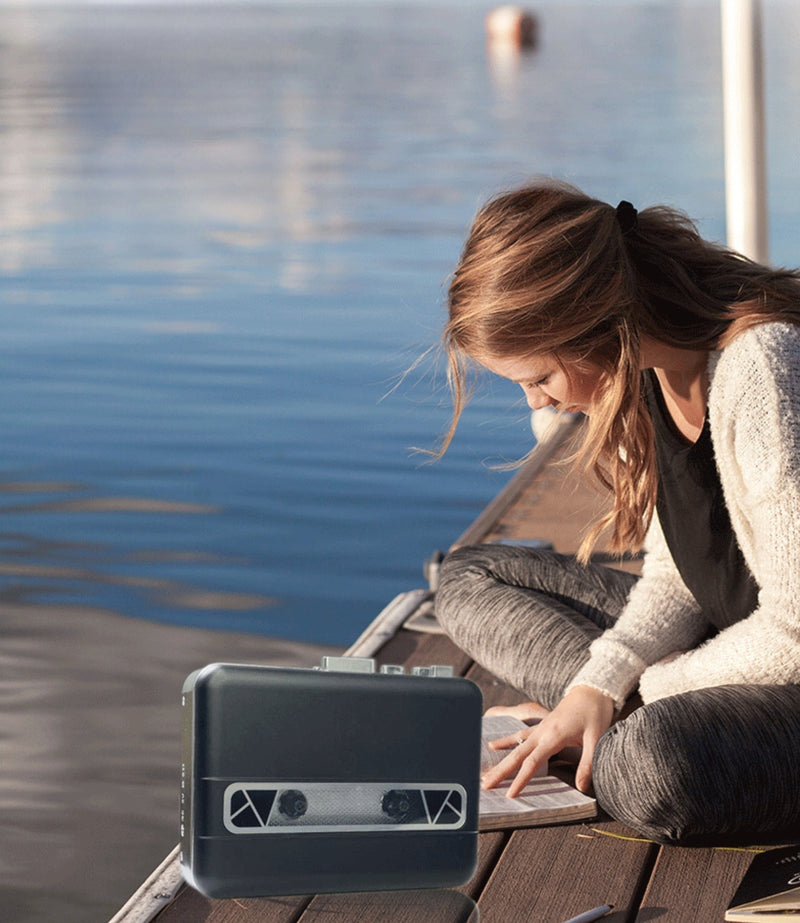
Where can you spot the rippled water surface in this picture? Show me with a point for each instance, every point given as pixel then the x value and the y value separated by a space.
pixel 224 235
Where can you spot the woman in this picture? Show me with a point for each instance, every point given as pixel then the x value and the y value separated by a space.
pixel 685 358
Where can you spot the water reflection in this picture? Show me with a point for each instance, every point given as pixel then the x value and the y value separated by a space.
pixel 111 505
pixel 22 556
pixel 28 195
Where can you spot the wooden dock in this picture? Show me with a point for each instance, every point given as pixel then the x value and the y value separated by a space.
pixel 534 875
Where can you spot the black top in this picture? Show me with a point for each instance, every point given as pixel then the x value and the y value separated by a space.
pixel 695 520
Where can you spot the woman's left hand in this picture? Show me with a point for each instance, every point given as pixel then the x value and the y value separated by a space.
pixel 579 719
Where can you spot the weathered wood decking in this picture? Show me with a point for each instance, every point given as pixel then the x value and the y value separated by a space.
pixel 540 875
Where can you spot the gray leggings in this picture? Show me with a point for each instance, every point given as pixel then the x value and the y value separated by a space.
pixel 719 765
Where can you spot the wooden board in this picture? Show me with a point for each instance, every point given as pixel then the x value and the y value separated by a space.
pixel 693 885
pixel 549 874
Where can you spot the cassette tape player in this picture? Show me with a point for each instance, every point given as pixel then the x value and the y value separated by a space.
pixel 331 779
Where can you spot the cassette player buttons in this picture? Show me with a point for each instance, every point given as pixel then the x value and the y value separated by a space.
pixel 348 664
pixel 434 670
pixel 367 665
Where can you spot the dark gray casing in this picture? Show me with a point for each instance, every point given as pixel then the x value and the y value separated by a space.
pixel 255 724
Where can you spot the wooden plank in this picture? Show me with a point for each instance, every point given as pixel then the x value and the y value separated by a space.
pixel 558 506
pixel 442 906
pixel 419 649
pixel 190 907
pixel 387 622
pixel 157 891
pixel 490 847
pixel 693 885
pixel 554 502
pixel 433 906
pixel 549 874
pixel 556 444
pixel 438 906
pixel 494 691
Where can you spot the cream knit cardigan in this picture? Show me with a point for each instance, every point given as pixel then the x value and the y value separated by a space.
pixel 754 412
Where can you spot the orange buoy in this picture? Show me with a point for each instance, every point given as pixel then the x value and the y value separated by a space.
pixel 512 25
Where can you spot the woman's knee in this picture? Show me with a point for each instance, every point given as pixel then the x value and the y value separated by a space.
pixel 475 582
pixel 467 561
pixel 470 578
pixel 458 574
pixel 709 766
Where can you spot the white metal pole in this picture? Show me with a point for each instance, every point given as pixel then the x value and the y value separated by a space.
pixel 743 99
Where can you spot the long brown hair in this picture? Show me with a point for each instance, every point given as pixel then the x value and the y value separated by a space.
pixel 548 270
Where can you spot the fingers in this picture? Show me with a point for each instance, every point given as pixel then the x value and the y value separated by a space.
pixel 583 774
pixel 522 763
pixel 578 720
pixel 513 740
pixel 526 772
pixel 525 711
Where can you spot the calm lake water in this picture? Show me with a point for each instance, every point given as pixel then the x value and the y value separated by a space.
pixel 225 232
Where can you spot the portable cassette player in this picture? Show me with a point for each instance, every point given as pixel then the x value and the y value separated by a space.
pixel 332 779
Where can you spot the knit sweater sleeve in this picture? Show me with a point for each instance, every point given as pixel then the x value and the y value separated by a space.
pixel 660 618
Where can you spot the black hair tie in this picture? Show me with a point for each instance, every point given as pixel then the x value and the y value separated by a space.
pixel 627 216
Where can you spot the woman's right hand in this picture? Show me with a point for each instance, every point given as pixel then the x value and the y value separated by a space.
pixel 526 711
pixel 579 719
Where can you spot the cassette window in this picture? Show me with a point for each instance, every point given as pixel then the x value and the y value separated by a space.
pixel 313 807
